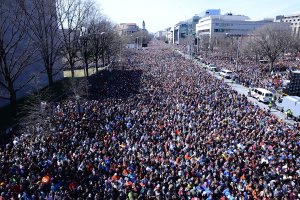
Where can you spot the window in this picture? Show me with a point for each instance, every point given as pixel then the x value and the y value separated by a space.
pixel 219 30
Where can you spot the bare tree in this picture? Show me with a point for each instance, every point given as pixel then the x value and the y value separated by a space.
pixel 41 20
pixel 142 35
pixel 95 39
pixel 16 50
pixel 71 16
pixel 115 45
pixel 271 41
pixel 225 47
pixel 86 38
pixel 248 49
pixel 99 31
pixel 86 52
pixel 204 43
pixel 295 45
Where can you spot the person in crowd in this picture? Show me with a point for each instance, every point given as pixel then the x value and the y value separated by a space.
pixel 163 129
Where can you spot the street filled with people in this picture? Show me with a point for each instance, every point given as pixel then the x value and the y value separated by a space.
pixel 253 73
pixel 162 129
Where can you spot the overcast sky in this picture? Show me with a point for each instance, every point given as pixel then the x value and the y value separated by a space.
pixel 160 14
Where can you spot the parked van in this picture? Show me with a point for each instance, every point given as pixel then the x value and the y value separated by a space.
pixel 290 103
pixel 226 73
pixel 262 94
pixel 212 68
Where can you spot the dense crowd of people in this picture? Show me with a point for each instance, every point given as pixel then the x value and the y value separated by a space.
pixel 252 73
pixel 164 129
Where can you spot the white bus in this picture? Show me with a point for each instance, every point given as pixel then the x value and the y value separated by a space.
pixel 262 94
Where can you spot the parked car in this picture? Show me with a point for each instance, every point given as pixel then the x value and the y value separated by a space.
pixel 212 68
pixel 226 73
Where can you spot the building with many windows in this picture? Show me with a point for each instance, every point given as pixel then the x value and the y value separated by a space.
pixel 170 31
pixel 215 26
pixel 293 20
pixel 180 32
pixel 187 29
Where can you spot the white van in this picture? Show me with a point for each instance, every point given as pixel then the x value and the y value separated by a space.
pixel 262 94
pixel 226 73
pixel 212 67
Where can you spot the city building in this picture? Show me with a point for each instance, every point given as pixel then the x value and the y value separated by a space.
pixel 209 12
pixel 180 32
pixel 216 26
pixel 293 20
pixel 187 29
pixel 161 35
pixel 126 29
pixel 170 31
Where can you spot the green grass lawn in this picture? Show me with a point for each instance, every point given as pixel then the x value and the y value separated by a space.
pixel 80 72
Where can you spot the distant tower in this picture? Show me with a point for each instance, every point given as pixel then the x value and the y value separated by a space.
pixel 144 25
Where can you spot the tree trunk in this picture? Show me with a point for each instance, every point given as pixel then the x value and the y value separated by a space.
pixel 13 95
pixel 72 69
pixel 50 76
pixel 72 72
pixel 86 67
pixel 272 65
pixel 13 98
pixel 96 64
pixel 103 60
pixel 108 58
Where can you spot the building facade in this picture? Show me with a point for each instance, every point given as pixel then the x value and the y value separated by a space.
pixel 293 20
pixel 187 29
pixel 162 35
pixel 127 29
pixel 170 31
pixel 216 26
pixel 180 32
pixel 209 12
